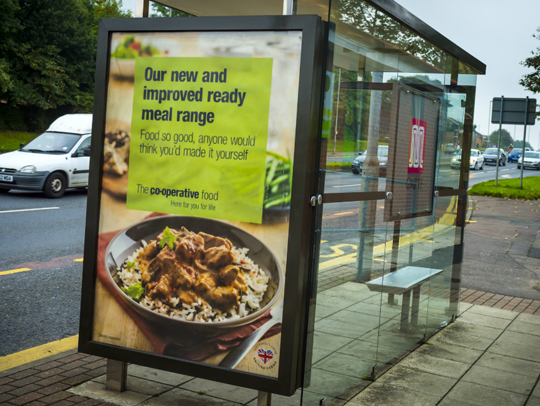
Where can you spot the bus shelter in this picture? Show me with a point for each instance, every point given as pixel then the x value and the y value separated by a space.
pixel 396 110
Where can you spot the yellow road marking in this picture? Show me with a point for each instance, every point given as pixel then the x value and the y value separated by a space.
pixel 323 241
pixel 15 271
pixel 78 260
pixel 341 214
pixel 447 220
pixel 42 351
pixel 337 251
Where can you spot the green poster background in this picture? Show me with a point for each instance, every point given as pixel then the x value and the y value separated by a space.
pixel 167 161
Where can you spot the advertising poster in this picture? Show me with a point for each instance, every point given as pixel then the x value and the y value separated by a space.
pixel 411 153
pixel 196 185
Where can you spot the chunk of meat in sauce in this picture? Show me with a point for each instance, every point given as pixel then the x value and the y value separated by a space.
pixel 204 284
pixel 151 250
pixel 190 248
pixel 218 257
pixel 233 276
pixel 211 241
pixel 163 262
pixel 225 297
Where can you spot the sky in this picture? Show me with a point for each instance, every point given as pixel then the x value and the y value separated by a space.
pixel 496 32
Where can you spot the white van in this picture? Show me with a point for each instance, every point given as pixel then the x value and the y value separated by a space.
pixel 57 159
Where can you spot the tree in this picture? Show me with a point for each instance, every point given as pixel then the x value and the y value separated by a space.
pixel 47 52
pixel 519 144
pixel 531 81
pixel 159 10
pixel 506 138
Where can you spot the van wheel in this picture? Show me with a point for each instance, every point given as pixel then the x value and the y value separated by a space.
pixel 55 186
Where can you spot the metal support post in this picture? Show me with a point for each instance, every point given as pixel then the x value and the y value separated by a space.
pixel 289 7
pixel 116 375
pixel 264 399
pixel 405 308
pixel 523 146
pixel 499 143
pixel 142 8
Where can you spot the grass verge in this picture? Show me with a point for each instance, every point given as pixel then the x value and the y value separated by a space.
pixel 11 140
pixel 509 188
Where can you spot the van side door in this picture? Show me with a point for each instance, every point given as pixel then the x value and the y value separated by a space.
pixel 81 163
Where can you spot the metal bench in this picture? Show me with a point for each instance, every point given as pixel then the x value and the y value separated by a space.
pixel 402 282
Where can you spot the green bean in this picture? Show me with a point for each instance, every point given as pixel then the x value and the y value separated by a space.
pixel 271 172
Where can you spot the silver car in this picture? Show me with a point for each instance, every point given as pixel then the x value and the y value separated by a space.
pixel 532 161
pixel 490 157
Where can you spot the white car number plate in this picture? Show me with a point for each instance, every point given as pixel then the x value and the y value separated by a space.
pixel 6 178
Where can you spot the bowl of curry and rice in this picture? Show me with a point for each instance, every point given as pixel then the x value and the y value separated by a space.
pixel 193 272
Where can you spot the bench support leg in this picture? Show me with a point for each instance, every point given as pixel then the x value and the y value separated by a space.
pixel 405 310
pixel 415 306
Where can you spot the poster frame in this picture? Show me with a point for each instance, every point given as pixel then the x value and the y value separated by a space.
pixel 301 235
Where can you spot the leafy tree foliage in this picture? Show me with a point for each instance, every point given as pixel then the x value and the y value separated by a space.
pixel 47 55
pixel 377 25
pixel 159 10
pixel 531 81
pixel 506 138
pixel 519 144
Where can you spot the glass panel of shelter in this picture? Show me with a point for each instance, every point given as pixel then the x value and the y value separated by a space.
pixel 396 95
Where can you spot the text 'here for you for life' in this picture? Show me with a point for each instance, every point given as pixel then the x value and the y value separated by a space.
pixel 199 136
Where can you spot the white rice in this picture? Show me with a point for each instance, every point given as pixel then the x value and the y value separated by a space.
pixel 250 301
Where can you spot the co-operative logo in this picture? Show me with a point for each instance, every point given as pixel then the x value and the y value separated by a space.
pixel 417 146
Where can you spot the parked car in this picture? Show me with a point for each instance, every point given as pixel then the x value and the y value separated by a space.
pixel 490 157
pixel 53 161
pixel 382 154
pixel 476 161
pixel 532 161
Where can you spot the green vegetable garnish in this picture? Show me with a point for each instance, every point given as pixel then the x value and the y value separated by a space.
pixel 278 181
pixel 168 238
pixel 134 291
pixel 130 265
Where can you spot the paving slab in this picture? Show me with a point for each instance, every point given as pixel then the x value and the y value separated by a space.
pixel 140 385
pixel 329 384
pixel 528 318
pixel 509 364
pixel 527 328
pixel 475 330
pixel 347 365
pixel 165 377
pixel 462 340
pixel 483 395
pixel 379 394
pixel 505 380
pixel 519 338
pixel 223 391
pixel 181 397
pixel 450 352
pixel 516 350
pixel 329 341
pixel 493 312
pixel 96 390
pixel 483 320
pixel 418 381
pixel 435 365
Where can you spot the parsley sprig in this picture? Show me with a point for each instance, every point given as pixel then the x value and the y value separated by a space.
pixel 134 291
pixel 168 238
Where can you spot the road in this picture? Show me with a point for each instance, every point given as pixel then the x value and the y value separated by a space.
pixel 42 247
pixel 41 241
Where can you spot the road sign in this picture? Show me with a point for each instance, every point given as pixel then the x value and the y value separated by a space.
pixel 513 111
